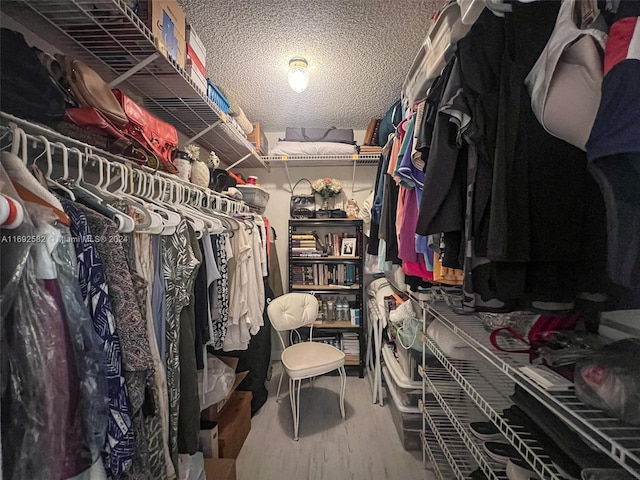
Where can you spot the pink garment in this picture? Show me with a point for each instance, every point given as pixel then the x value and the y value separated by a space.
pixel 406 220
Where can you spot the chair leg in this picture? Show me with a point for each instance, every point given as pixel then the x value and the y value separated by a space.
pixel 343 387
pixel 294 396
pixel 279 385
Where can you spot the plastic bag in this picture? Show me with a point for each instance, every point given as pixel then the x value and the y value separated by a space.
pixel 34 369
pixel 407 326
pixel 609 379
pixel 215 382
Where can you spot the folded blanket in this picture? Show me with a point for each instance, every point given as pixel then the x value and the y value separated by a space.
pixel 312 148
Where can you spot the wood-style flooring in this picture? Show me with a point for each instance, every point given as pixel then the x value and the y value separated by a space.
pixel 364 446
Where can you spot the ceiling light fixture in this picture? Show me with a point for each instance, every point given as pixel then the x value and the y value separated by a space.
pixel 298 74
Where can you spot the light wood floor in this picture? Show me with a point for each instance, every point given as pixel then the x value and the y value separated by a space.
pixel 365 446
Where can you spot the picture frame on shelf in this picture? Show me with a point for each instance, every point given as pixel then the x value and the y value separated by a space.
pixel 348 247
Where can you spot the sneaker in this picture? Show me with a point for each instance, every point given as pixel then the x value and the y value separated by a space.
pixel 486 431
pixel 500 452
pixel 518 469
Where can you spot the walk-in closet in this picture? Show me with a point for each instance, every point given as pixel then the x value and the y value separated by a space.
pixel 333 240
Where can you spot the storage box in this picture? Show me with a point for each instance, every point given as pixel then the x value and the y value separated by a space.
pixel 258 139
pixel 408 420
pixel 220 468
pixel 406 391
pixel 212 414
pixel 195 61
pixel 234 424
pixel 217 97
pixel 167 22
pixel 197 77
pixel 196 49
pixel 209 439
pixel 409 360
pixel 254 195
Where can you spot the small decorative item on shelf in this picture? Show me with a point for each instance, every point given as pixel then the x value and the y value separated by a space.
pixel 327 188
pixel 348 247
pixel 200 174
pixel 214 160
pixel 183 164
pixel 352 208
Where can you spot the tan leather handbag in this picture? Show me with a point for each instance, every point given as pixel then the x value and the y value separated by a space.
pixel 566 80
pixel 90 90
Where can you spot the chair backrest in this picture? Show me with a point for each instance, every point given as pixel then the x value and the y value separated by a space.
pixel 292 310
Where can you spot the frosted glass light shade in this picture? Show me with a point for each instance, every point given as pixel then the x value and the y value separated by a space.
pixel 298 75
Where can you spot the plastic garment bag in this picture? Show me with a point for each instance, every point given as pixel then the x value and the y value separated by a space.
pixel 53 384
pixel 34 402
pixel 91 420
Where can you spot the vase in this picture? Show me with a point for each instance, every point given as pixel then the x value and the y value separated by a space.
pixel 325 204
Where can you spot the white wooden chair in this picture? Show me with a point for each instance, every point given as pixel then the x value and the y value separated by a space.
pixel 305 359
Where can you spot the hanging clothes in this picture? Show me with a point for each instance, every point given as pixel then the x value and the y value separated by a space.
pixel 120 443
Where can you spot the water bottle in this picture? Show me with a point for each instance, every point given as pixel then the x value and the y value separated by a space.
pixel 325 313
pixel 331 310
pixel 344 309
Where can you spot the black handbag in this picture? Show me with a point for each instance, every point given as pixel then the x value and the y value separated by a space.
pixel 302 206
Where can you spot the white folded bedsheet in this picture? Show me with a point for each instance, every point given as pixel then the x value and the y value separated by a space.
pixel 312 148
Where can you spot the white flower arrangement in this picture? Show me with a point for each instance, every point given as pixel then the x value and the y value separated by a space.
pixel 193 151
pixel 327 187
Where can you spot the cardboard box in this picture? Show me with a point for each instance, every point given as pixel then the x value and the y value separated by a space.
pixel 258 139
pixel 196 76
pixel 195 61
pixel 167 22
pixel 220 468
pixel 209 439
pixel 195 47
pixel 213 413
pixel 234 425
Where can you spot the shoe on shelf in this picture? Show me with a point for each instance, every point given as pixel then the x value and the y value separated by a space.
pixel 478 474
pixel 518 469
pixel 500 452
pixel 486 431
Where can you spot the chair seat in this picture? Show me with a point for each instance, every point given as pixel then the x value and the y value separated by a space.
pixel 308 359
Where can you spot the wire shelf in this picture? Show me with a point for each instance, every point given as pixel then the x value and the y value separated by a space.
pixel 459 460
pixel 459 411
pixel 489 390
pixel 109 37
pixel 319 160
pixel 434 454
pixel 617 439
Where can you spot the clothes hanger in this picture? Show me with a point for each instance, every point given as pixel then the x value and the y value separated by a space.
pixel 19 145
pixel 190 201
pixel 218 212
pixel 175 199
pixel 170 219
pixel 217 227
pixel 102 188
pixel 141 223
pixel 87 197
pixel 65 172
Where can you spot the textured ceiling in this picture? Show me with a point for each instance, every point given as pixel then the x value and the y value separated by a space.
pixel 359 52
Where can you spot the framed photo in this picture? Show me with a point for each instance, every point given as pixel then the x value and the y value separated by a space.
pixel 348 247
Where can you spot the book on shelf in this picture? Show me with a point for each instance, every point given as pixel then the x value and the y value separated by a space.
pixel 302 236
pixel 303 243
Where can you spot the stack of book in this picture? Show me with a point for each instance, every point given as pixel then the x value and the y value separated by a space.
pixel 339 275
pixel 370 150
pixel 351 346
pixel 304 245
